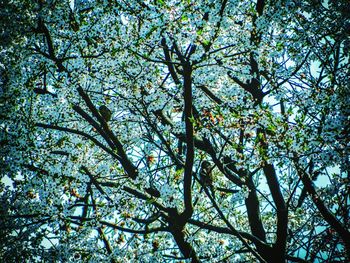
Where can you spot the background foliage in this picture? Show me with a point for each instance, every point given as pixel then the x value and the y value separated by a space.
pixel 109 109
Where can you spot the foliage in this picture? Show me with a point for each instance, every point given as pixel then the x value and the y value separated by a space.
pixel 110 108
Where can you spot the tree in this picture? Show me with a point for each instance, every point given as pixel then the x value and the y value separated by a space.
pixel 113 111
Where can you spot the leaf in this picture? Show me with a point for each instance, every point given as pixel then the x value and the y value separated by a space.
pixel 199 32
pixel 161 2
pixel 279 46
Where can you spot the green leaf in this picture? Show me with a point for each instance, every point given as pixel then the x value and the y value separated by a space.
pixel 199 32
pixel 161 2
pixel 279 46
pixel 206 42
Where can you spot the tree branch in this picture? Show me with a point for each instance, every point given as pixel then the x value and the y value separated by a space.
pixel 189 140
pixel 87 136
pixel 130 169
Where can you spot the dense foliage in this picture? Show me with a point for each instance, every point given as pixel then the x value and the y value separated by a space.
pixel 180 130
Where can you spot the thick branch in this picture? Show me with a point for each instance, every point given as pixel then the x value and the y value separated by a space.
pixel 43 29
pixel 282 212
pixel 210 94
pixel 252 87
pixel 130 169
pixel 230 226
pixel 168 62
pixel 260 6
pixel 144 197
pixel 189 141
pixel 253 210
pixel 94 124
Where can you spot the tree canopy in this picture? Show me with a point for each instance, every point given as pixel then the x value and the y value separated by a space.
pixel 175 131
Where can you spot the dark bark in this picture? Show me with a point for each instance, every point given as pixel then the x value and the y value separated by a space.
pixel 189 140
pixel 168 61
pixel 185 247
pixel 106 132
pixel 253 210
pixel 282 213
